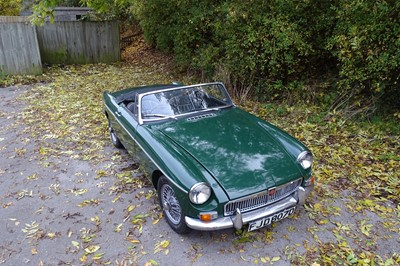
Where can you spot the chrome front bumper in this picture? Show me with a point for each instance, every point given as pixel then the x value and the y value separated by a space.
pixel 239 219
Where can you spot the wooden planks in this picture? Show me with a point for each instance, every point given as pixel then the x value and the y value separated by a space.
pixel 23 47
pixel 19 49
pixel 79 42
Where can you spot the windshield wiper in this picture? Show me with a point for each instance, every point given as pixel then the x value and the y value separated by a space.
pixel 160 115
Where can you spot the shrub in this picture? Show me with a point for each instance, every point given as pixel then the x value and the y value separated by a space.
pixel 10 7
pixel 273 48
pixel 366 43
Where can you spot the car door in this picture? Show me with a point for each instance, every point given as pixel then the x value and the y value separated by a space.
pixel 128 125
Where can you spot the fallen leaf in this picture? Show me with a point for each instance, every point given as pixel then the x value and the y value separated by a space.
pixel 274 259
pixel 51 235
pixel 75 244
pixel 92 249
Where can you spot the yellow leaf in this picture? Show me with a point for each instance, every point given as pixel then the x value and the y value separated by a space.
pixel 152 262
pixel 92 249
pixel 116 198
pixel 131 208
pixel 165 243
pixel 275 259
pixel 34 251
pixel 98 256
pixel 118 228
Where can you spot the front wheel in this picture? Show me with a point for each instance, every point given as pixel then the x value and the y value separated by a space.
pixel 171 207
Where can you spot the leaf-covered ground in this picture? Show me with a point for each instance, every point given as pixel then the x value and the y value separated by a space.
pixel 69 198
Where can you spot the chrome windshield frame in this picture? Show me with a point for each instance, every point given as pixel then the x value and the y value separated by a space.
pixel 142 120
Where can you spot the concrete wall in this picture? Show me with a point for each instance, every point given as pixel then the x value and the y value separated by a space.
pixel 19 49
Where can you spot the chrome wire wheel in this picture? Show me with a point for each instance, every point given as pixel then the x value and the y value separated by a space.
pixel 172 209
pixel 170 204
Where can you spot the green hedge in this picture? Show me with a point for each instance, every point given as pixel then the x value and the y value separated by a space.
pixel 366 44
pixel 274 44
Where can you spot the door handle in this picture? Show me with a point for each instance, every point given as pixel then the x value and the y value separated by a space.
pixel 118 113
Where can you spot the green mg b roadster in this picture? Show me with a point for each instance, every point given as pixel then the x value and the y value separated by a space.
pixel 214 165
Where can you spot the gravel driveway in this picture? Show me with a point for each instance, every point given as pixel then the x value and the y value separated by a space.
pixel 64 211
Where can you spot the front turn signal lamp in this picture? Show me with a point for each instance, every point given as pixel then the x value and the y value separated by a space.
pixel 208 216
pixel 309 182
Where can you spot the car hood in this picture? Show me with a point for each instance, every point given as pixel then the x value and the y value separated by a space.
pixel 236 149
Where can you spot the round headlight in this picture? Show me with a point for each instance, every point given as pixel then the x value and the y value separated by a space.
pixel 199 193
pixel 305 159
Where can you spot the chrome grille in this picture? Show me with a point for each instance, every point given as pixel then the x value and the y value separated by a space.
pixel 263 198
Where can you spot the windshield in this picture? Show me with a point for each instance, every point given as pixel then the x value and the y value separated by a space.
pixel 183 100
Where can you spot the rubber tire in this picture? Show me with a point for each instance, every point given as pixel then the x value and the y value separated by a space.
pixel 178 225
pixel 114 139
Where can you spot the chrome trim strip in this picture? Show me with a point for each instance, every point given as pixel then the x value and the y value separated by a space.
pixel 173 182
pixel 184 87
pixel 239 219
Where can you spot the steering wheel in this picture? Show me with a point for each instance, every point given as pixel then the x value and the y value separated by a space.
pixel 198 98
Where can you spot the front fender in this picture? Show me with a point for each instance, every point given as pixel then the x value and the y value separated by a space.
pixel 180 169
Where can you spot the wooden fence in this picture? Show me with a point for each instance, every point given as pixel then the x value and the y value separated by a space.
pixel 79 42
pixel 23 48
pixel 19 49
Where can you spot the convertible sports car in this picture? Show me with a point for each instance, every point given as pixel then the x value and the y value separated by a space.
pixel 214 165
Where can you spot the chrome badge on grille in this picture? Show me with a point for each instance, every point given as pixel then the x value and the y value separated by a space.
pixel 271 192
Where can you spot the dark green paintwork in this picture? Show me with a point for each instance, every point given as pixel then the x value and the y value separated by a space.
pixel 234 152
pixel 237 151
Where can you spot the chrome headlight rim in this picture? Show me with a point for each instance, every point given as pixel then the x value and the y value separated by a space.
pixel 199 193
pixel 305 159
